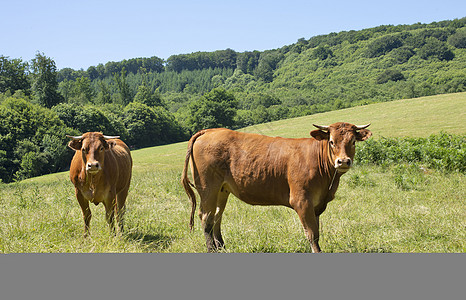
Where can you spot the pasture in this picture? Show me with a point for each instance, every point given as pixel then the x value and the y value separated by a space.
pixel 371 212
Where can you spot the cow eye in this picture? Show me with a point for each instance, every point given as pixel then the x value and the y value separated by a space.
pixel 101 148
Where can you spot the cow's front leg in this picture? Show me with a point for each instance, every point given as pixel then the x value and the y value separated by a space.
pixel 86 211
pixel 305 210
pixel 110 213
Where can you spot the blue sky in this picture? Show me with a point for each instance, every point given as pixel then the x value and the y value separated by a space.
pixel 79 34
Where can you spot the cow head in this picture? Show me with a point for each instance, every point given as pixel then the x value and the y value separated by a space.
pixel 92 146
pixel 341 138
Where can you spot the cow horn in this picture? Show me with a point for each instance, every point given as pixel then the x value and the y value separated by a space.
pixel 321 127
pixel 75 137
pixel 359 127
pixel 108 137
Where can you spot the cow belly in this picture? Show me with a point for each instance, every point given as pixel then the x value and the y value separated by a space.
pixel 256 194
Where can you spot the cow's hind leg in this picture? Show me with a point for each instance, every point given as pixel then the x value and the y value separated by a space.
pixel 222 198
pixel 207 210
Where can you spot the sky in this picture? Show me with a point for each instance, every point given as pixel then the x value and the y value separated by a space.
pixel 83 33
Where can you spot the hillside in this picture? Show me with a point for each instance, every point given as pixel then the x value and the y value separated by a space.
pixel 319 74
pixel 418 117
pixel 395 207
pixel 151 102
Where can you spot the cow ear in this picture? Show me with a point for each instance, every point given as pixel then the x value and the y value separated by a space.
pixel 110 144
pixel 320 135
pixel 75 144
pixel 363 134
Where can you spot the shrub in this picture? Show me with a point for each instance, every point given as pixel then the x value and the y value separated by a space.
pixel 443 152
pixel 32 140
pixel 150 126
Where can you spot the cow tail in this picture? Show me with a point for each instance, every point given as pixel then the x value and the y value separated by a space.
pixel 185 180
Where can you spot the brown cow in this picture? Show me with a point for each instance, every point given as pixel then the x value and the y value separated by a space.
pixel 302 174
pixel 101 172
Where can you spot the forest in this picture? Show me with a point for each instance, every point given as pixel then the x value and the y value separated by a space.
pixel 152 101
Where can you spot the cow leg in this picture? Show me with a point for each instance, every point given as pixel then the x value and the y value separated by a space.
pixel 221 203
pixel 87 215
pixel 120 208
pixel 110 213
pixel 207 211
pixel 303 206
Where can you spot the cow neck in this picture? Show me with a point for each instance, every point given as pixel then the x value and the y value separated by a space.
pixel 331 170
pixel 92 180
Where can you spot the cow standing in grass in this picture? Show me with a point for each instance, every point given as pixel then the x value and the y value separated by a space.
pixel 302 174
pixel 101 173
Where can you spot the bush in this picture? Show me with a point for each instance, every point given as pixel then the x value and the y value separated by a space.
pixel 85 118
pixel 148 126
pixel 443 152
pixel 32 140
pixel 215 109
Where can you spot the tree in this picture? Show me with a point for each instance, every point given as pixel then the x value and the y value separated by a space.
pixel 458 39
pixel 247 61
pixel 83 90
pixel 104 96
pixel 215 109
pixel 44 81
pixel 145 96
pixel 383 45
pixel 402 54
pixel 13 75
pixel 92 73
pixel 435 48
pixel 123 87
pixel 268 61
pixel 143 125
pixel 389 75
pixel 84 118
pixel 32 140
pixel 322 52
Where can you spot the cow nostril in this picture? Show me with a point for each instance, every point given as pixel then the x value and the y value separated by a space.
pixel 93 165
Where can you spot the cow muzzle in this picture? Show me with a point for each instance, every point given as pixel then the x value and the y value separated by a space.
pixel 93 167
pixel 343 164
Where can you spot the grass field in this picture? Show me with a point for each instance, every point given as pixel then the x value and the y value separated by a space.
pixel 372 212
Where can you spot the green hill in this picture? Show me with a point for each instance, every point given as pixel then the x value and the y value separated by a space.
pixel 419 117
pixel 151 102
pixel 390 208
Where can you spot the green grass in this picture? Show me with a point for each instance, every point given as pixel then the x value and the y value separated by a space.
pixel 397 208
pixel 419 117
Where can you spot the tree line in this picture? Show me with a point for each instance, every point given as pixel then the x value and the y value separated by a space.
pixel 150 101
